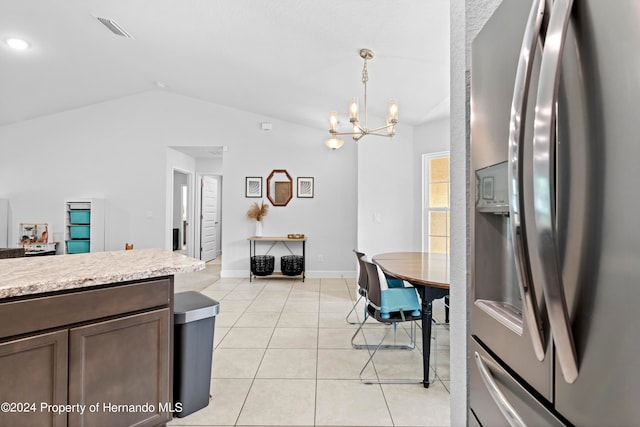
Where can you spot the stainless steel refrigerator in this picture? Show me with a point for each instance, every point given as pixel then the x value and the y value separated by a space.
pixel 555 223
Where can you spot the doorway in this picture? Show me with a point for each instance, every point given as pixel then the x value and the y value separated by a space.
pixel 187 216
pixel 182 212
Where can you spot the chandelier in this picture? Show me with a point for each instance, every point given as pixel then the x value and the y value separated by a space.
pixel 361 129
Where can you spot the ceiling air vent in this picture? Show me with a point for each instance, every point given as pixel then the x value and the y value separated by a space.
pixel 114 27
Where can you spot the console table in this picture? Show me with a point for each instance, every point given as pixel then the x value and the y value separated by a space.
pixel 275 240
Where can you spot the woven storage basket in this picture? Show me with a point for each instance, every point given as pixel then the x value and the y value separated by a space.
pixel 262 265
pixel 291 265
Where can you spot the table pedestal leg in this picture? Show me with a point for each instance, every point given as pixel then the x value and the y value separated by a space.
pixel 427 315
pixel 428 294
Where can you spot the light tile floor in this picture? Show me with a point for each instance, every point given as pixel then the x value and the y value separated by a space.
pixel 282 357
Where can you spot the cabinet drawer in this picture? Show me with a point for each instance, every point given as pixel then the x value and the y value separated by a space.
pixel 24 316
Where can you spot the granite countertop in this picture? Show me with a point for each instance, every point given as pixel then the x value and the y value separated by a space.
pixel 34 275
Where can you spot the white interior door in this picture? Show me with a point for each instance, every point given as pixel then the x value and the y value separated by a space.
pixel 209 218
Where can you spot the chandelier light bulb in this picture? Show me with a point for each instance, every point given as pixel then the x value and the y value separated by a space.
pixel 353 110
pixel 17 44
pixel 334 143
pixel 393 111
pixel 333 121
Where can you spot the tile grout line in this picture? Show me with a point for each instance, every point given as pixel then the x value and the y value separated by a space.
pixel 315 408
pixel 377 376
pixel 255 376
pixel 244 402
pixel 253 380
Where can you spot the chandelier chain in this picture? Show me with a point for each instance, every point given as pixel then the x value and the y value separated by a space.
pixel 365 73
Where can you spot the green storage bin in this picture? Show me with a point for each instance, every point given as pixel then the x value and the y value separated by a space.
pixel 79 231
pixel 80 216
pixel 77 246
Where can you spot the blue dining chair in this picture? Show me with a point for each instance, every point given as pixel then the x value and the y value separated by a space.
pixel 392 282
pixel 363 285
pixel 389 306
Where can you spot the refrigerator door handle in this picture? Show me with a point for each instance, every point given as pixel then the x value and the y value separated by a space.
pixel 498 397
pixel 543 194
pixel 516 137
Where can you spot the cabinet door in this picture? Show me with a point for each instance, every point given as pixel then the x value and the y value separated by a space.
pixel 33 373
pixel 122 367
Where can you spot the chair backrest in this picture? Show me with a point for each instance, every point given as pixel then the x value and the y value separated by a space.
pixel 401 300
pixel 362 276
pixel 374 289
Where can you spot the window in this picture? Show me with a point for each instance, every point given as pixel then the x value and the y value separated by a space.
pixel 436 216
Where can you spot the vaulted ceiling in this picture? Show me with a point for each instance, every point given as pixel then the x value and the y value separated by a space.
pixel 295 60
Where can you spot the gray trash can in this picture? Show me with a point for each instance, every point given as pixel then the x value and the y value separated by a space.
pixel 194 318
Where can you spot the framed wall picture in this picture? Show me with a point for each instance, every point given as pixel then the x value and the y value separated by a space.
pixel 253 186
pixel 305 187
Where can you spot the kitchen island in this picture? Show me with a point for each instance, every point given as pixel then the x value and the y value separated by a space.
pixel 86 339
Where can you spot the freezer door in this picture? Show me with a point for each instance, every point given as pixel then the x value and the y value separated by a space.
pixel 499 311
pixel 514 404
pixel 598 207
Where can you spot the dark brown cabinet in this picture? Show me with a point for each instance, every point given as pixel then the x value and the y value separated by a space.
pixel 34 373
pixel 131 379
pixel 109 358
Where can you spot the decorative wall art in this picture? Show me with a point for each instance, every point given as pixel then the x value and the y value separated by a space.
pixel 305 187
pixel 279 187
pixel 253 186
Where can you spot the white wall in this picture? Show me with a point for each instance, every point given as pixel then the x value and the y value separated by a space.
pixel 386 188
pixel 433 136
pixel 210 166
pixel 118 151
pixel 328 219
pixel 4 223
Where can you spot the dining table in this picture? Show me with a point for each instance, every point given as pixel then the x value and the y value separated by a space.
pixel 429 274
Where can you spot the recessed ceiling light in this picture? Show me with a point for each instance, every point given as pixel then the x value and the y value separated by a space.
pixel 17 44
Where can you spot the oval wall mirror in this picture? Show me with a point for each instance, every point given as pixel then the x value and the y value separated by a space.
pixel 279 187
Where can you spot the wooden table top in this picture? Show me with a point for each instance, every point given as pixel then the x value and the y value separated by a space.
pixel 418 268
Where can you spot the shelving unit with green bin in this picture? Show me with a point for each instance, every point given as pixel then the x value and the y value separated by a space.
pixel 84 226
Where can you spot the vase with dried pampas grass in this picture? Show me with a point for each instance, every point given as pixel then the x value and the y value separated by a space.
pixel 258 212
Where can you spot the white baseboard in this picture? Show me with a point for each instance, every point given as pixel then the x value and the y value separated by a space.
pixel 317 274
